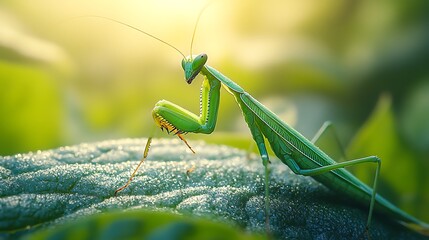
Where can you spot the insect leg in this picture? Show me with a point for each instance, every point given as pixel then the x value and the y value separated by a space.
pixel 146 152
pixel 320 170
pixel 327 140
pixel 257 135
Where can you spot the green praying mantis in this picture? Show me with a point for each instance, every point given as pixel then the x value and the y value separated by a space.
pixel 301 155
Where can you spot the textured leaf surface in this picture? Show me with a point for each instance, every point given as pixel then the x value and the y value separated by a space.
pixel 48 188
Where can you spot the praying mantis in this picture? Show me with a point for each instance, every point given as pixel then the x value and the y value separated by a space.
pixel 301 155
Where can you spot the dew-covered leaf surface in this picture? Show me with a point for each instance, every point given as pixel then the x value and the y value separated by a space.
pixel 49 188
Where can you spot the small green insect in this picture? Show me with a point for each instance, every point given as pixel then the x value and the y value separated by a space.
pixel 301 155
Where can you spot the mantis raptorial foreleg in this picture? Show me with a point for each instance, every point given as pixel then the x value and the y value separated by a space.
pixel 178 120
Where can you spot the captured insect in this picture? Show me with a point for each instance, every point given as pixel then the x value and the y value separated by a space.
pixel 301 155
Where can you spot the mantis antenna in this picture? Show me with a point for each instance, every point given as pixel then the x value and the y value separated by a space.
pixel 196 25
pixel 164 42
pixel 137 29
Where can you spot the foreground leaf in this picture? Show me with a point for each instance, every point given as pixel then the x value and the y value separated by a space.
pixel 142 225
pixel 50 188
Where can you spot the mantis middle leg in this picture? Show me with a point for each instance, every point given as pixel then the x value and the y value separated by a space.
pixel 258 137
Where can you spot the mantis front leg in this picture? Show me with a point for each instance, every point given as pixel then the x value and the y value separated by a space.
pixel 179 121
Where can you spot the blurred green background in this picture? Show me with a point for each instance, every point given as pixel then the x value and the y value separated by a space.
pixel 364 65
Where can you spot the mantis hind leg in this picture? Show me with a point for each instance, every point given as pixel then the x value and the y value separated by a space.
pixel 320 170
pixel 327 140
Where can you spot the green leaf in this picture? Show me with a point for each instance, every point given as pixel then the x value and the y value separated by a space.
pixel 47 189
pixel 139 224
pixel 399 168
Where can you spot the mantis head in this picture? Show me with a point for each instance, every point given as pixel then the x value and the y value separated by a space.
pixel 193 66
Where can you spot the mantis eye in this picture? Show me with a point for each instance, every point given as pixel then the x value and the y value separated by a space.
pixel 200 59
pixel 183 64
pixel 199 62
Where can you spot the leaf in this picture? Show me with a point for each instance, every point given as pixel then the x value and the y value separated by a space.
pixel 399 168
pixel 142 225
pixel 47 189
